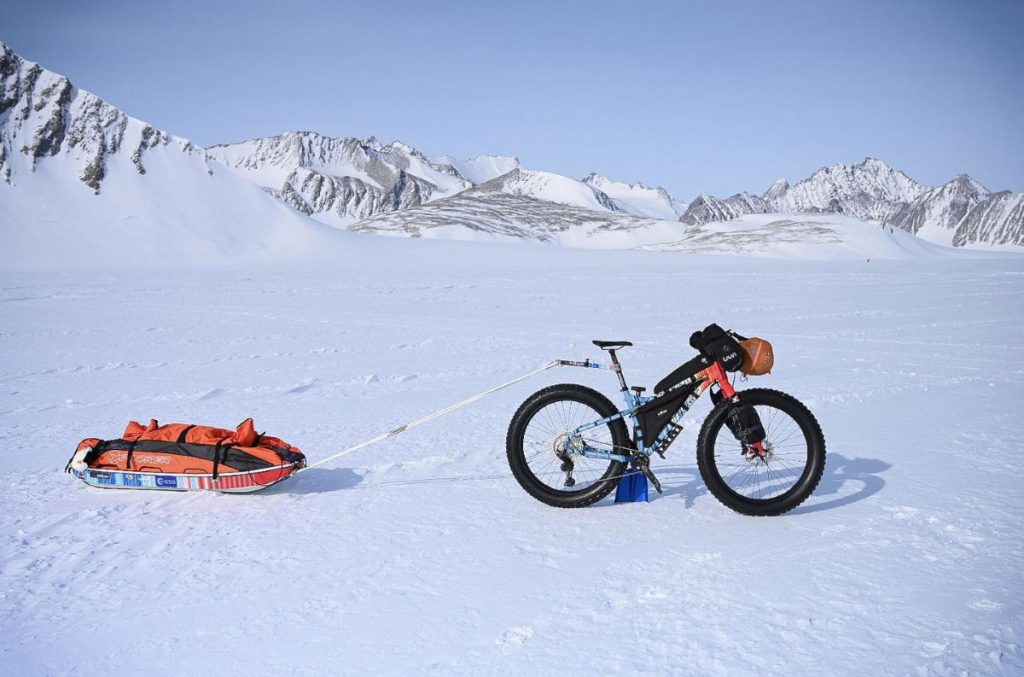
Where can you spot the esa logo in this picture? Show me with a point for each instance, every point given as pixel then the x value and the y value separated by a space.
pixel 167 482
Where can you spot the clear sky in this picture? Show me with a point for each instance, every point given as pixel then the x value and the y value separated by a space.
pixel 707 96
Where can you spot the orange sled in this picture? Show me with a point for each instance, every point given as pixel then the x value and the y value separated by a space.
pixel 183 457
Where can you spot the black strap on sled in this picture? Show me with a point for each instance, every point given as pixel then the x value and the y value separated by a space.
pixel 220 451
pixel 216 460
pixel 184 434
pixel 131 451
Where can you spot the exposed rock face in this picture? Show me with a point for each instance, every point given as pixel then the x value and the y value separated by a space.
pixel 868 190
pixel 500 208
pixel 943 207
pixel 341 180
pixel 348 198
pixel 706 208
pixel 999 219
pixel 42 116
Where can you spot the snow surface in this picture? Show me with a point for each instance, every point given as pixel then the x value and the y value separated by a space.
pixel 423 555
pixel 181 210
pixel 802 236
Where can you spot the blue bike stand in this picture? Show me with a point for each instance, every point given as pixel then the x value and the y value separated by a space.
pixel 632 488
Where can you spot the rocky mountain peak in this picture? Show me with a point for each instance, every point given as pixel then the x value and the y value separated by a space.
pixel 777 190
pixel 44 116
pixel 959 212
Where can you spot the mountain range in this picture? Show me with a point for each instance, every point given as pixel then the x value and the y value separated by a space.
pixel 958 213
pixel 75 169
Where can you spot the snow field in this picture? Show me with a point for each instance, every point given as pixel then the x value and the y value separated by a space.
pixel 423 555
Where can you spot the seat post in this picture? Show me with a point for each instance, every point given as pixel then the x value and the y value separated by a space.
pixel 617 368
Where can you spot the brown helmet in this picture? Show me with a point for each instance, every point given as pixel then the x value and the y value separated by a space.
pixel 758 357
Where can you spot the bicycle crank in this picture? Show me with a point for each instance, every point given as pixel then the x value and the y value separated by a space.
pixel 643 463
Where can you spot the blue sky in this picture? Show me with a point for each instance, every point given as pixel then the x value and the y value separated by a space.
pixel 696 96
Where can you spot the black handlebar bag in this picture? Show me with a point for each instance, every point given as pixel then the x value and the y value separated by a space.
pixel 718 344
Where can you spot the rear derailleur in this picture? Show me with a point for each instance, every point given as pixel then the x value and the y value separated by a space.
pixel 564 446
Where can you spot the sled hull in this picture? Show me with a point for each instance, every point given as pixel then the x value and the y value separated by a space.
pixel 226 483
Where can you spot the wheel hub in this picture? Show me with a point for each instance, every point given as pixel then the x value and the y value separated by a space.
pixel 757 458
pixel 567 444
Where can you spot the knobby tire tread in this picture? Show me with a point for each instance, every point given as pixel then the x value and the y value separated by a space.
pixel 517 459
pixel 717 485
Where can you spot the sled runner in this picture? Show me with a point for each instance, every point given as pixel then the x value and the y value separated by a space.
pixel 183 457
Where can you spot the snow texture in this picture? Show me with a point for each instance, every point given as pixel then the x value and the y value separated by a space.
pixel 422 554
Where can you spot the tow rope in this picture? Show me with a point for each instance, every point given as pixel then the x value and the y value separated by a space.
pixel 430 417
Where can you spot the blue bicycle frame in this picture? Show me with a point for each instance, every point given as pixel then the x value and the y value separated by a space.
pixel 696 384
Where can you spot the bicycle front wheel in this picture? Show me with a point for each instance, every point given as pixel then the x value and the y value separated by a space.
pixel 545 456
pixel 771 483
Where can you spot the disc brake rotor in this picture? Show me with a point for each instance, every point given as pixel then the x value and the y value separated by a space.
pixel 755 458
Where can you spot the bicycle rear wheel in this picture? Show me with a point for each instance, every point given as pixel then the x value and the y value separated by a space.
pixel 544 456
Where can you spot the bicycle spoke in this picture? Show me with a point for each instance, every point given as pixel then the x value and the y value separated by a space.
pixel 763 478
pixel 551 426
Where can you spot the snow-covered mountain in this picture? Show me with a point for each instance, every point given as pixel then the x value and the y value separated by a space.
pixel 82 182
pixel 867 190
pixel 537 206
pixel 551 187
pixel 636 198
pixel 527 205
pixel 960 212
pixel 936 211
pixel 343 181
pixel 706 208
pixel 483 168
pixel 999 219
pixel 44 116
pixel 340 180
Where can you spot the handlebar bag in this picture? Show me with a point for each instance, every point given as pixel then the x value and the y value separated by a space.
pixel 718 344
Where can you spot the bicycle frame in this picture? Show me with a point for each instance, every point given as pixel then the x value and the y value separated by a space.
pixel 697 383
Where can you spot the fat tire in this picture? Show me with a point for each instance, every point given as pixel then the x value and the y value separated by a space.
pixel 804 486
pixel 517 457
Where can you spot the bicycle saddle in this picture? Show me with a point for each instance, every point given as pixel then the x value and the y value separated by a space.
pixel 611 345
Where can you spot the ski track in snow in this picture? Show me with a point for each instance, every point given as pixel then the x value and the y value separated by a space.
pixel 423 555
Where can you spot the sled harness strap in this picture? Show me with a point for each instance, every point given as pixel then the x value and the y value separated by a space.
pixel 430 417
